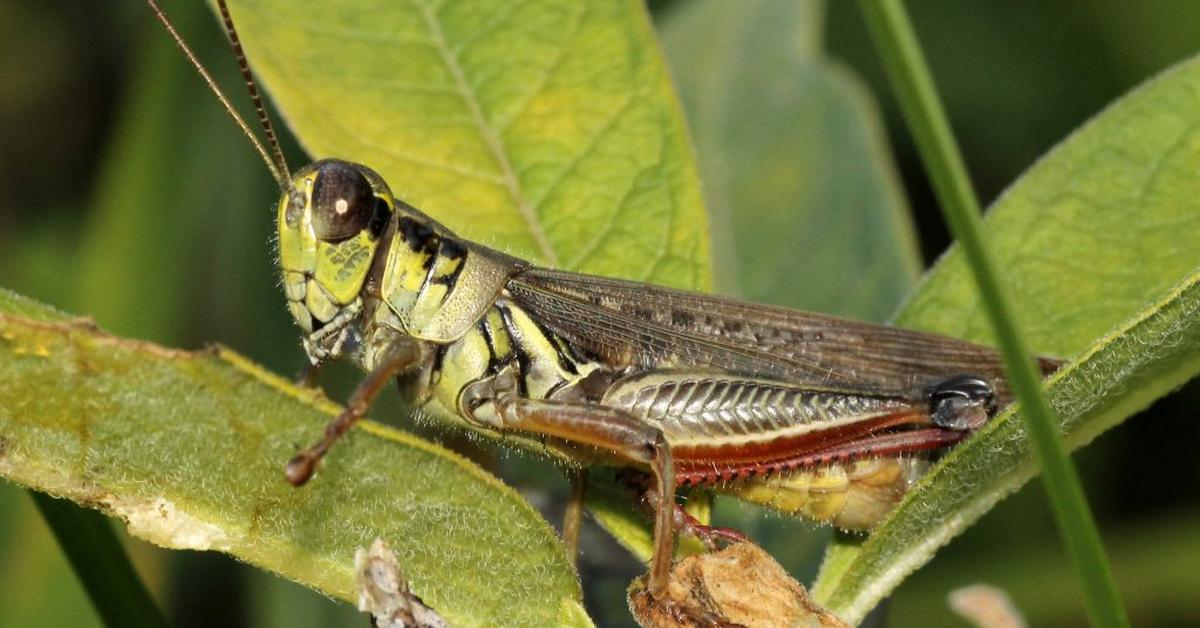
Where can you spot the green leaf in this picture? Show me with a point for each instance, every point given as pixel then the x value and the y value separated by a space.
pixel 797 172
pixel 1101 227
pixel 547 129
pixel 186 448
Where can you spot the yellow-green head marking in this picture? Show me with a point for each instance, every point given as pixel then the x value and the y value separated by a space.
pixel 331 220
pixel 353 259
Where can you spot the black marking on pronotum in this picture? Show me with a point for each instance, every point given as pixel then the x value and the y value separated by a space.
pixel 427 264
pixel 451 250
pixel 518 350
pixel 419 236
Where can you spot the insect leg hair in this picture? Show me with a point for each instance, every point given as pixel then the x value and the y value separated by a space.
pixel 402 354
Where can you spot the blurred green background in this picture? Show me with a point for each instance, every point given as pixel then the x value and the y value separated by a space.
pixel 126 195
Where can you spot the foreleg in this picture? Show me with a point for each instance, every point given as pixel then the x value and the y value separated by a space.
pixel 399 355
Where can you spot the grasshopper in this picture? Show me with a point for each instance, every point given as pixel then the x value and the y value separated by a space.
pixel 805 413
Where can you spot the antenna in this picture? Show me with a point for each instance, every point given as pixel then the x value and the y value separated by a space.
pixel 252 87
pixel 277 166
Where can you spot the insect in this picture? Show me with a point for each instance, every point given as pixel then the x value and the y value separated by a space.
pixel 806 413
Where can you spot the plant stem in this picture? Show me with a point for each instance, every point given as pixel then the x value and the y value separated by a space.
pixel 909 75
pixel 87 538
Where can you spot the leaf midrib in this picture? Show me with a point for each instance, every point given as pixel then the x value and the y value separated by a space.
pixel 489 135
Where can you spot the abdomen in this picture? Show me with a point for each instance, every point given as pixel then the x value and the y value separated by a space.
pixel 762 440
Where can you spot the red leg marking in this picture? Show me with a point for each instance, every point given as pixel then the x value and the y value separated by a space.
pixel 714 472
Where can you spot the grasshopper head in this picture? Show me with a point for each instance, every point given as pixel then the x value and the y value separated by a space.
pixel 331 219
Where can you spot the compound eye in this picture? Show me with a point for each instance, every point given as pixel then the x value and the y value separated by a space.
pixel 961 403
pixel 343 202
pixel 967 387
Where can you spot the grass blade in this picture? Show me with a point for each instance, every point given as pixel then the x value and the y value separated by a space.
pixel 910 77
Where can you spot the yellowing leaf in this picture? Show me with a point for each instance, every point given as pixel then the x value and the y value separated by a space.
pixel 547 129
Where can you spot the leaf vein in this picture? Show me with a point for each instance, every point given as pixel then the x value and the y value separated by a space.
pixel 491 138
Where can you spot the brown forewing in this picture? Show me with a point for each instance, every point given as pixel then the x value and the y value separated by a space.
pixel 632 324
